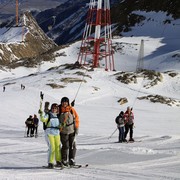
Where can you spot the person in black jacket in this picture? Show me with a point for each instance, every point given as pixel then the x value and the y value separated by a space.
pixel 30 126
pixel 120 125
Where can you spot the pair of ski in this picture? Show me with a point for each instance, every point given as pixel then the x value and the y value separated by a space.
pixel 133 141
pixel 77 166
pixel 126 142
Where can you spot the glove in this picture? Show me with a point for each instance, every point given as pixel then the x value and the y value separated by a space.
pixel 76 131
pixel 133 126
pixel 41 95
pixel 73 103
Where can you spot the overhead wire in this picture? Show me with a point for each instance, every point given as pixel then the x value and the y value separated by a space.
pixel 138 92
pixel 1 7
pixel 82 80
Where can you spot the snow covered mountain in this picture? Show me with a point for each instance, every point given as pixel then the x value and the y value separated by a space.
pixel 65 23
pixel 156 150
pixel 8 7
pixel 154 95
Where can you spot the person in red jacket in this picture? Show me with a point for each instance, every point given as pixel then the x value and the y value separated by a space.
pixel 69 129
pixel 36 123
pixel 129 123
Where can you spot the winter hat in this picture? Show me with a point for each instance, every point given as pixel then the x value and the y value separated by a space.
pixel 65 99
pixel 54 105
pixel 121 113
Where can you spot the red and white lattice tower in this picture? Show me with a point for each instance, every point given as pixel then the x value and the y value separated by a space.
pixel 96 43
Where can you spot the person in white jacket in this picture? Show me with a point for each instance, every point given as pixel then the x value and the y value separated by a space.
pixel 53 133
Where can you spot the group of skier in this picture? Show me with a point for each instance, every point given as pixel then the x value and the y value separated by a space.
pixel 22 87
pixel 61 125
pixel 32 126
pixel 125 122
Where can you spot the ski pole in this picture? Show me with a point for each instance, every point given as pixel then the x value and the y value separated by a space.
pixel 112 133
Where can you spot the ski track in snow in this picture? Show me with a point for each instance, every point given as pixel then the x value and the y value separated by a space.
pixel 154 156
pixel 27 158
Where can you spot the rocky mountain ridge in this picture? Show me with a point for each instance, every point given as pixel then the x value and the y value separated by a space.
pixel 34 44
pixel 64 24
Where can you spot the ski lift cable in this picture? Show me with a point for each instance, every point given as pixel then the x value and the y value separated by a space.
pixel 1 7
pixel 51 17
pixel 82 80
pixel 147 68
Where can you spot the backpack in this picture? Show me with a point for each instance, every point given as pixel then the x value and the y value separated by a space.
pixel 117 120
pixel 29 121
pixel 45 124
pixel 69 124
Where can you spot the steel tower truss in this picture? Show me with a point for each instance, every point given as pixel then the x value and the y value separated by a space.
pixel 96 43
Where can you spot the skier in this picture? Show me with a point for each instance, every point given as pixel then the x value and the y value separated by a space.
pixel 129 123
pixel 120 125
pixel 41 95
pixel 30 126
pixel 52 130
pixel 70 126
pixel 36 123
pixel 4 88
pixel 22 87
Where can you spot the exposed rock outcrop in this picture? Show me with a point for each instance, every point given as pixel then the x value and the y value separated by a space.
pixel 34 44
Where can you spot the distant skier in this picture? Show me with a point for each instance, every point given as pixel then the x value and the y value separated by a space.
pixel 4 88
pixel 41 95
pixel 22 87
pixel 30 126
pixel 129 123
pixel 120 125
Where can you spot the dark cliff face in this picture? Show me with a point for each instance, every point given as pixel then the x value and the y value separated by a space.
pixel 59 22
pixel 121 13
pixel 65 23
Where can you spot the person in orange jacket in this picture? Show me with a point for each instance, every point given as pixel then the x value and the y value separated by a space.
pixel 69 129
